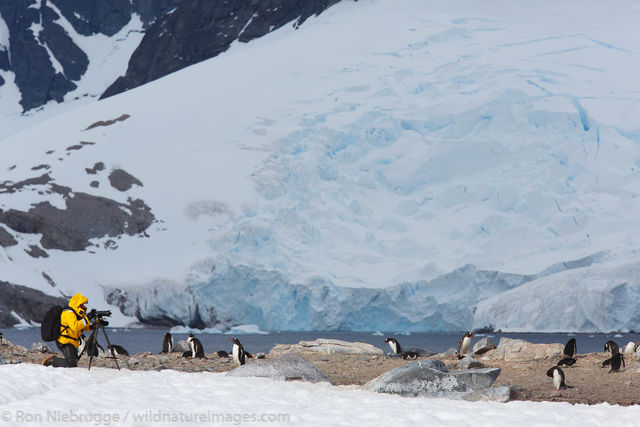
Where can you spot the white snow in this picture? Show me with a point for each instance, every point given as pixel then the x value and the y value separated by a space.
pixel 382 142
pixel 37 395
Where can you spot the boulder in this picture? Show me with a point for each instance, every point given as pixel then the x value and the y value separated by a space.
pixel 181 346
pixel 287 367
pixel 482 346
pixel 510 349
pixel 421 379
pixel 469 362
pixel 327 346
pixel 491 394
pixel 41 347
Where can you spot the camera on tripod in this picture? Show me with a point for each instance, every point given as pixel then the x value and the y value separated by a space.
pixel 97 317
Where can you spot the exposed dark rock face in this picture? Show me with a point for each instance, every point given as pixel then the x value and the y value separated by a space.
pixel 6 239
pixel 36 252
pixel 85 217
pixel 121 180
pixel 95 169
pixel 27 303
pixel 31 28
pixel 199 30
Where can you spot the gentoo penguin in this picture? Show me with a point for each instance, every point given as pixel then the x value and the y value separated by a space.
pixel 82 343
pixel 611 347
pixel 567 361
pixel 197 350
pixel 0 337
pixel 222 354
pixel 570 348
pixel 396 349
pixel 239 355
pixel 394 344
pixel 614 361
pixel 463 346
pixel 630 348
pixel 118 350
pixel 167 343
pixel 558 377
pixel 570 351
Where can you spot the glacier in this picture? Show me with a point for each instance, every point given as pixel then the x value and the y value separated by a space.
pixel 473 165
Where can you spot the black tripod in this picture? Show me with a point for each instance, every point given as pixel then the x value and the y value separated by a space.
pixel 92 342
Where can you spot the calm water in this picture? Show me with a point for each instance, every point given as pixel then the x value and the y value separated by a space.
pixel 139 340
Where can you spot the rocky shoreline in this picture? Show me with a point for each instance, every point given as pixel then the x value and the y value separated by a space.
pixel 520 366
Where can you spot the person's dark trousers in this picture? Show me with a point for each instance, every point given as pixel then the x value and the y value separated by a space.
pixel 70 354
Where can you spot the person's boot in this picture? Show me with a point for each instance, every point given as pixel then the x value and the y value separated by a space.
pixel 48 361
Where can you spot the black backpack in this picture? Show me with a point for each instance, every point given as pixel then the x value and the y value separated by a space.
pixel 50 326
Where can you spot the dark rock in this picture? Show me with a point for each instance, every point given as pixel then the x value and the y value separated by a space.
pixel 35 168
pixel 94 184
pixel 36 252
pixel 482 346
pixel 121 180
pixel 6 239
pixel 288 367
pixel 41 347
pixel 198 30
pixel 95 169
pixel 8 187
pixel 99 123
pixel 419 379
pixel 491 394
pixel 29 304
pixel 469 363
pixel 85 217
pixel 49 279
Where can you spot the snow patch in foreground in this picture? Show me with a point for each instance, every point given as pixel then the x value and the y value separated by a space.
pixel 111 397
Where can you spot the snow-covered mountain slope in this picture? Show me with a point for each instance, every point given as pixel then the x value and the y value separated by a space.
pixel 57 55
pixel 449 155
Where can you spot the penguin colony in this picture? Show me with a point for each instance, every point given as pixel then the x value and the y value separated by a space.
pixel 240 355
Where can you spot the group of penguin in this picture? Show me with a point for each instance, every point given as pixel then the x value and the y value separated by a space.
pixel 556 373
pixel 196 349
pixel 570 349
pixel 117 349
pixel 463 347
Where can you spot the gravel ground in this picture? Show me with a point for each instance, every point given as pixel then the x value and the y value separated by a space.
pixel 587 382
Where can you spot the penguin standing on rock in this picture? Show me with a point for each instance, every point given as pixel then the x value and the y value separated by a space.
pixel 239 354
pixel 570 351
pixel 167 343
pixel 558 378
pixel 396 349
pixel 463 345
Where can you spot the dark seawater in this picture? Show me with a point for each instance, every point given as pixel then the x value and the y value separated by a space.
pixel 139 340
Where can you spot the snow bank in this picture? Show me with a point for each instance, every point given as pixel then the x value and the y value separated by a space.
pixel 50 397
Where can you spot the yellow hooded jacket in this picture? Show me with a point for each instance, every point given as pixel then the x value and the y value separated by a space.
pixel 73 321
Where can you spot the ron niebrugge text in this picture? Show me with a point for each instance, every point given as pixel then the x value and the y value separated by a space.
pixel 149 416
